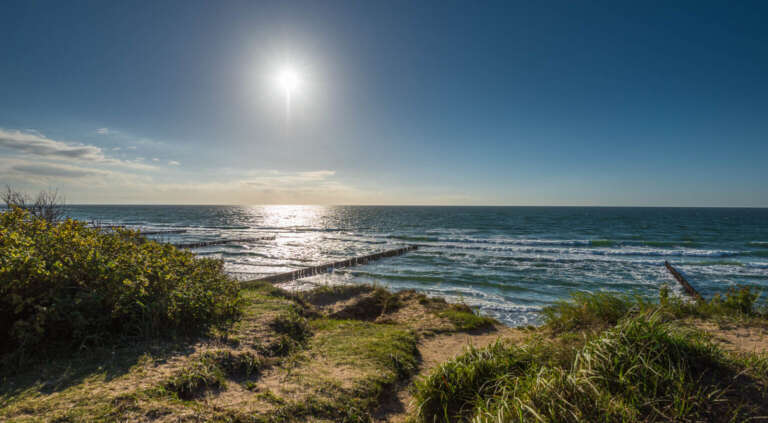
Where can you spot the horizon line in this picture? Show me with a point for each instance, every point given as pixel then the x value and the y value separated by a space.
pixel 415 205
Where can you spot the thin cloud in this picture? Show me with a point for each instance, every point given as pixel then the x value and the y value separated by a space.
pixel 273 178
pixel 57 170
pixel 37 144
pixel 104 131
pixel 174 163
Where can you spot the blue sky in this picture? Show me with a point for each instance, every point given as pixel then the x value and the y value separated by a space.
pixel 514 103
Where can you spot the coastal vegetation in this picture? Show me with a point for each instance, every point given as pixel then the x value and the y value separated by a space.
pixel 611 357
pixel 67 286
pixel 105 325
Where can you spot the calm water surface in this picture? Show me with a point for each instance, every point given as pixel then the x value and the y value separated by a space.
pixel 507 261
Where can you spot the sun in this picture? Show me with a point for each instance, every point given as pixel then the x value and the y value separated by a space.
pixel 288 80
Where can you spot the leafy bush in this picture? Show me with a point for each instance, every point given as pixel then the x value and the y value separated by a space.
pixel 68 284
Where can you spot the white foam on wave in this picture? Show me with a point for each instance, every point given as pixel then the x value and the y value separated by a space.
pixel 599 251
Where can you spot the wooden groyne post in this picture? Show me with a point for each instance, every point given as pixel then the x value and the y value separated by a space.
pixel 329 267
pixel 222 241
pixel 681 279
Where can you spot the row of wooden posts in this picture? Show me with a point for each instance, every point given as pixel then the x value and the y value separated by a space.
pixel 301 273
pixel 330 267
pixel 687 287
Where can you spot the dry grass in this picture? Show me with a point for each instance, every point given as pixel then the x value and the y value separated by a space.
pixel 329 355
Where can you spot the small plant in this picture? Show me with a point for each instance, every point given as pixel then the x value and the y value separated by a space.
pixel 241 364
pixel 209 371
pixel 196 377
pixel 741 300
pixel 270 397
pixel 465 319
pixel 293 326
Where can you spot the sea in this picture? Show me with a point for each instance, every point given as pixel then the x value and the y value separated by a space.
pixel 507 262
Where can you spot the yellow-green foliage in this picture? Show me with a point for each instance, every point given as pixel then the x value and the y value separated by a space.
pixel 69 284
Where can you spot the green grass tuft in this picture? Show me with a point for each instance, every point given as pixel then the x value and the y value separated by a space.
pixel 643 369
pixel 292 325
pixel 209 371
pixel 196 377
pixel 739 303
pixel 600 310
pixel 589 310
pixel 465 319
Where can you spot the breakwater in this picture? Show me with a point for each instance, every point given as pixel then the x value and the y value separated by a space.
pixel 329 267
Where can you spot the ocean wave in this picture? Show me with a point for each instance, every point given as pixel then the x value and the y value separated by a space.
pixel 754 253
pixel 601 251
pixel 547 242
pixel 506 261
pixel 415 238
pixel 716 263
pixel 355 240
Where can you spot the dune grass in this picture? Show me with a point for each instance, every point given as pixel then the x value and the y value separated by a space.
pixel 609 358
pixel 600 310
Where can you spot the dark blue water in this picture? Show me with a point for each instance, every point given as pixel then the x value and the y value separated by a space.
pixel 508 261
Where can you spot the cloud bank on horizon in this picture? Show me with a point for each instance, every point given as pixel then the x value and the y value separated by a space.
pixel 33 161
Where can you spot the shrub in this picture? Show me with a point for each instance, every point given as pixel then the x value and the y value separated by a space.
pixel 48 205
pixel 65 283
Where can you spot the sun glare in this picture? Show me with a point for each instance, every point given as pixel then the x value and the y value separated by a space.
pixel 288 80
